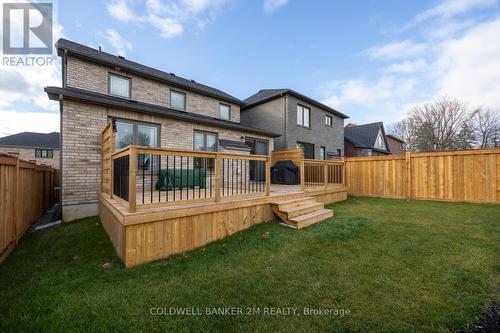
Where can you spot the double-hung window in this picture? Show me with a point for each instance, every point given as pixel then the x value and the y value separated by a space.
pixel 303 116
pixel 119 85
pixel 328 120
pixel 224 111
pixel 205 141
pixel 177 100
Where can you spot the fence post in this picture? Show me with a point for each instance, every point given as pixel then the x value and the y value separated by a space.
pixel 132 179
pixel 268 176
pixel 408 174
pixel 15 196
pixel 217 178
pixel 302 175
pixel 325 174
pixel 344 166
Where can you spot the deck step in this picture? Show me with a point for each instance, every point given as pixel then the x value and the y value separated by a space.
pixel 311 218
pixel 294 202
pixel 303 209
pixel 302 212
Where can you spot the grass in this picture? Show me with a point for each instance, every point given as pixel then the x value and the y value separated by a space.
pixel 396 265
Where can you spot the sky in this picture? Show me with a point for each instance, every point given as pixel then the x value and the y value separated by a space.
pixel 371 60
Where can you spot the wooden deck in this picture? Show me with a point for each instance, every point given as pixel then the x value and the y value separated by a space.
pixel 152 233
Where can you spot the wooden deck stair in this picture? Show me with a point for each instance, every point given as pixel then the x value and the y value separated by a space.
pixel 302 212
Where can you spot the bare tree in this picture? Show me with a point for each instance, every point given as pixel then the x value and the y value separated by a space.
pixel 487 127
pixel 442 125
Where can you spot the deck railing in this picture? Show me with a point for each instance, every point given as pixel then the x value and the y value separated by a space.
pixel 321 173
pixel 149 177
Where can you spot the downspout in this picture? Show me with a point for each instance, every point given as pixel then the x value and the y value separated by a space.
pixel 285 118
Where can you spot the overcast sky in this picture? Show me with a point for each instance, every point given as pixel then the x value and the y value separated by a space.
pixel 371 60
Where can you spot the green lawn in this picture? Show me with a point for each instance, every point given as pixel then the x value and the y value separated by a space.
pixel 395 265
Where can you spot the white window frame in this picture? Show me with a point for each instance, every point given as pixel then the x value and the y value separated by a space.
pixel 301 112
pixel 328 120
pixel 221 105
pixel 112 76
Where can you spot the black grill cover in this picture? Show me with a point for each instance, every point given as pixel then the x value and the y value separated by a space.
pixel 285 172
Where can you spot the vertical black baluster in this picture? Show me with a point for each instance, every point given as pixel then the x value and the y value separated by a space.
pixel 210 182
pixel 159 168
pixel 241 176
pixel 232 176
pixel 245 175
pixel 182 179
pixel 166 186
pixel 192 158
pixel 143 171
pixel 205 174
pixel 223 179
pixel 175 180
pixel 151 177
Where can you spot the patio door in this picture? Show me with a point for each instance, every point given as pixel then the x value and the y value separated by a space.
pixel 308 149
pixel 257 168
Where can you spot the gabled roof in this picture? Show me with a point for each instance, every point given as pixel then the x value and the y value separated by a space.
pixel 365 136
pixel 266 95
pixel 32 140
pixel 85 52
pixel 57 93
pixel 395 138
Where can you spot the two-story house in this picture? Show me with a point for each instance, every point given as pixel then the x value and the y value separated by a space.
pixel 299 120
pixel 370 140
pixel 148 107
pixel 44 148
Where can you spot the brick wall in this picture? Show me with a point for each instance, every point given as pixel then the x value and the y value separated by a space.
pixel 81 131
pixel 28 154
pixel 87 75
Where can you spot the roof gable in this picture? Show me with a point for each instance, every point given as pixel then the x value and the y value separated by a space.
pixel 98 56
pixel 32 140
pixel 266 95
pixel 365 136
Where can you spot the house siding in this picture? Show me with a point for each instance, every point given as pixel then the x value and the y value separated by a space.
pixel 270 116
pixel 82 124
pixel 28 154
pixel 83 74
pixel 395 146
pixel 331 137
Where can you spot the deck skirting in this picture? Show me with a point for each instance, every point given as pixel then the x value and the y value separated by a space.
pixel 157 233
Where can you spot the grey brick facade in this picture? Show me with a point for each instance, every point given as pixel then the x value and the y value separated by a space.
pixel 279 115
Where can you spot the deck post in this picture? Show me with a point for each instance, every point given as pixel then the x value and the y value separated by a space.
pixel 343 171
pixel 217 178
pixel 302 175
pixel 268 176
pixel 132 179
pixel 408 174
pixel 325 174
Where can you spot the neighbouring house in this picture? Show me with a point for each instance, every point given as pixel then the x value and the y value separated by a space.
pixel 147 107
pixel 366 140
pixel 44 148
pixel 299 120
pixel 396 145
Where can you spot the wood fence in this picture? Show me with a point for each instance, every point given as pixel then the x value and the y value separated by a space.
pixel 461 176
pixel 26 191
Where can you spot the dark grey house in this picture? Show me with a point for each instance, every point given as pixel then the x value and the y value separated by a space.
pixel 301 121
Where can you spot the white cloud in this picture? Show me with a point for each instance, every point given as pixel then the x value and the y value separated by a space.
pixel 394 50
pixel 120 10
pixel 120 44
pixel 270 6
pixel 407 67
pixel 368 94
pixel 170 18
pixel 15 122
pixel 469 67
pixel 457 55
pixel 450 8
